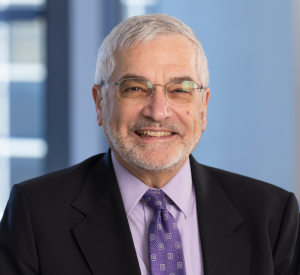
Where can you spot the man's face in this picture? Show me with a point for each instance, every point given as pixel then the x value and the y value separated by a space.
pixel 177 128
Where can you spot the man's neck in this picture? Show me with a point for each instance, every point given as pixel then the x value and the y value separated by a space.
pixel 154 179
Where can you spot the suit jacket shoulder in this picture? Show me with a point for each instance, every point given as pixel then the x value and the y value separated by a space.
pixel 71 221
pixel 251 194
pixel 69 178
pixel 255 219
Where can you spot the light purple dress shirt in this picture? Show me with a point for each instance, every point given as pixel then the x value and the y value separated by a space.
pixel 181 203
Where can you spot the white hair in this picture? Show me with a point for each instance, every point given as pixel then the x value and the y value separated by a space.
pixel 142 29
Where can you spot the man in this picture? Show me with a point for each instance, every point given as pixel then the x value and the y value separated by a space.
pixel 146 206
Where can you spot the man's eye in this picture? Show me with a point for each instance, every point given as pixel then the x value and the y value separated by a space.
pixel 134 89
pixel 181 91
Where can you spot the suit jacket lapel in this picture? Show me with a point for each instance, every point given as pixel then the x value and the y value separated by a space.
pixel 224 252
pixel 104 235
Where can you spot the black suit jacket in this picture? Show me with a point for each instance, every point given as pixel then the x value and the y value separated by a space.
pixel 73 222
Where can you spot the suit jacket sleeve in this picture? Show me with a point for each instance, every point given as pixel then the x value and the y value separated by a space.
pixel 18 253
pixel 287 249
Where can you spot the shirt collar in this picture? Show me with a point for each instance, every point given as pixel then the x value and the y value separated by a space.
pixel 178 189
pixel 132 189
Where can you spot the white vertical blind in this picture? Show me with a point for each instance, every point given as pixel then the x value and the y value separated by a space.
pixel 4 115
pixel 22 72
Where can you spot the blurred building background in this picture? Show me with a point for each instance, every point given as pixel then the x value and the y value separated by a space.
pixel 48 54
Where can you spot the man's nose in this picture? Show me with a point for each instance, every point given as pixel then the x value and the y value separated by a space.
pixel 157 106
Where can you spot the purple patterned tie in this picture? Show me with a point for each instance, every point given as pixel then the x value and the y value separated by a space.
pixel 164 241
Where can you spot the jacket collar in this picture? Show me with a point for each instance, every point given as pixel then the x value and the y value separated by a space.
pixel 104 235
pixel 223 250
pixel 210 194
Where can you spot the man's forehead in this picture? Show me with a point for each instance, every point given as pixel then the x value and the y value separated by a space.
pixel 184 47
pixel 174 57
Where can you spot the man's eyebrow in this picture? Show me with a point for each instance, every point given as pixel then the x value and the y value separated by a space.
pixel 132 76
pixel 181 78
pixel 175 78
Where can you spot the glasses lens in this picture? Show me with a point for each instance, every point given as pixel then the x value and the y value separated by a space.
pixel 182 92
pixel 135 89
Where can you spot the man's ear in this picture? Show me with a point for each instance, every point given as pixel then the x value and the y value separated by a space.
pixel 205 103
pixel 97 96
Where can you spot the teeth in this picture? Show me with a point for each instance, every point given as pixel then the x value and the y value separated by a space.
pixel 143 133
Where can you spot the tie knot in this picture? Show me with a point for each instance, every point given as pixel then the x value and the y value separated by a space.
pixel 155 199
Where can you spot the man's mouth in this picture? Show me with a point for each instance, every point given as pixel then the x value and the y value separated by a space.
pixel 144 133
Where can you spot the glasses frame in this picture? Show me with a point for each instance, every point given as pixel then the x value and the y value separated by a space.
pixel 153 89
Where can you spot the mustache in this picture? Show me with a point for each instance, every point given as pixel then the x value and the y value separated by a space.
pixel 162 124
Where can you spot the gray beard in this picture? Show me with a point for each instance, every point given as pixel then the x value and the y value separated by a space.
pixel 135 153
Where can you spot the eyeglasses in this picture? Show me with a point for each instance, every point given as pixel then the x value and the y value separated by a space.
pixel 140 90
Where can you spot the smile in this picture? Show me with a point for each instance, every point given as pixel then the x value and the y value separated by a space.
pixel 144 133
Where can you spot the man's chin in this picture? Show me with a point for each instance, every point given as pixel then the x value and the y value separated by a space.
pixel 154 160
